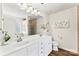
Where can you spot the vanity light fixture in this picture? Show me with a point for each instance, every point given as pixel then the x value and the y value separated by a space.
pixel 29 8
pixel 38 13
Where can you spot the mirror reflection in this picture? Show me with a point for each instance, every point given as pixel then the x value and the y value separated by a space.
pixel 17 20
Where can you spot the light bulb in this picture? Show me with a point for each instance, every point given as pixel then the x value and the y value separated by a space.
pixel 27 10
pixel 35 11
pixel 30 8
pixel 32 12
pixel 38 13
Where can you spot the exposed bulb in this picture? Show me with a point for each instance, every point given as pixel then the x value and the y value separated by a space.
pixel 38 13
pixel 31 8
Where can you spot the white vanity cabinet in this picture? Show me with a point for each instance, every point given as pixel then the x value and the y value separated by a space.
pixel 48 46
pixel 33 49
pixel 30 50
pixel 45 45
pixel 19 52
pixel 41 46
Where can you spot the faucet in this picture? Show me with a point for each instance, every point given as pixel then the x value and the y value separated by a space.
pixel 19 37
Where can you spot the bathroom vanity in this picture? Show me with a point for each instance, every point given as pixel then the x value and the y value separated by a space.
pixel 17 22
pixel 34 45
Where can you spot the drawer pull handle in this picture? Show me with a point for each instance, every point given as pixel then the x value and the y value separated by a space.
pixel 41 51
pixel 41 43
pixel 41 47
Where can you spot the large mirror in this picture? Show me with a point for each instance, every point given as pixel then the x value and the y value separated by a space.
pixel 18 20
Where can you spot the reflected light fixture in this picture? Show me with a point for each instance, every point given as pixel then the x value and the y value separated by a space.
pixel 29 9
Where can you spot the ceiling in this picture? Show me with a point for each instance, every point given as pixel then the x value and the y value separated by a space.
pixel 46 8
pixel 53 7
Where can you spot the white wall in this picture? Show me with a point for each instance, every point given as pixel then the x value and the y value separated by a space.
pixel 40 22
pixel 67 37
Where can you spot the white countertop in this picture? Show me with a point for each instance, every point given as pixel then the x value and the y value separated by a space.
pixel 4 50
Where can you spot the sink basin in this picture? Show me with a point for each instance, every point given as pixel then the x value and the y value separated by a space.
pixel 22 43
pixel 26 40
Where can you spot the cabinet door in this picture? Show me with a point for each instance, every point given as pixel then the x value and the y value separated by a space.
pixel 20 52
pixel 33 49
pixel 48 48
pixel 47 45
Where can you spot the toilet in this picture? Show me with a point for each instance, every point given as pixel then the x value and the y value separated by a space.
pixel 55 45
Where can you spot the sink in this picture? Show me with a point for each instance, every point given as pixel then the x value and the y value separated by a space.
pixel 26 40
pixel 21 43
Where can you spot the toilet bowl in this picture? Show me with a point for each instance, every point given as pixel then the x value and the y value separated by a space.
pixel 55 45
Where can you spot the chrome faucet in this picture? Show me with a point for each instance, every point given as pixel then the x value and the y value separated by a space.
pixel 19 37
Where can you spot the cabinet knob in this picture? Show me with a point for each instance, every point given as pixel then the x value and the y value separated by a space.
pixel 41 51
pixel 41 43
pixel 49 43
pixel 41 47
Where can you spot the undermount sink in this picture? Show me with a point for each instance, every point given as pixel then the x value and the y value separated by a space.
pixel 22 43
